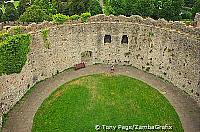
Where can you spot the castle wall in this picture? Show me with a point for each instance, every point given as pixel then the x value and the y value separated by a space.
pixel 170 54
pixel 197 19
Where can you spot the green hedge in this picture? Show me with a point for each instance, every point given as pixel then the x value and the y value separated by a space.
pixel 85 16
pixel 13 53
pixel 74 17
pixel 60 18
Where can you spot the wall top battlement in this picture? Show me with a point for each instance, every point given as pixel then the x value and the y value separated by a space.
pixel 161 23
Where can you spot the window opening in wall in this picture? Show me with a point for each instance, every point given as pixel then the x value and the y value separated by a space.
pixel 124 39
pixel 107 39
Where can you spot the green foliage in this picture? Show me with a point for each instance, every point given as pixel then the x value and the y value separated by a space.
pixel 189 3
pixel 16 30
pixel 60 18
pixel 1 3
pixel 71 7
pixel 13 53
pixel 118 7
pixel 46 6
pixel 78 6
pixel 113 99
pixel 33 14
pixel 63 7
pixel 196 7
pixel 144 8
pixel 74 17
pixel 1 13
pixel 107 10
pixel 187 21
pixel 11 13
pixel 168 9
pixel 23 4
pixel 95 8
pixel 3 36
pixel 186 15
pixel 85 16
pixel 45 35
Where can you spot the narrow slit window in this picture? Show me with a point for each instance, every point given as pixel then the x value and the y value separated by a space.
pixel 107 39
pixel 124 39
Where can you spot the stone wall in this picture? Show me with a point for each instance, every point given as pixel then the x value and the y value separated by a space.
pixel 173 25
pixel 197 19
pixel 158 47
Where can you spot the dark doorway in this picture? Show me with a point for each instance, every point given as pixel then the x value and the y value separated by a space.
pixel 124 39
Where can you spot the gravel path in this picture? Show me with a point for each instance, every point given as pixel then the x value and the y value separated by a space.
pixel 21 117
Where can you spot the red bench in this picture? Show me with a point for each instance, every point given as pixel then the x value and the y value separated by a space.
pixel 79 66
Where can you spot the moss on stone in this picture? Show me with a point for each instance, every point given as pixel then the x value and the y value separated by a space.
pixel 45 35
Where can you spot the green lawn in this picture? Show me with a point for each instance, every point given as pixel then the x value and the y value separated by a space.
pixel 104 99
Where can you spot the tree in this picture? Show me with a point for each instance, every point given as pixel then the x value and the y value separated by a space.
pixel 196 7
pixel 118 7
pixel 79 6
pixel 168 9
pixel 189 3
pixel 23 4
pixel 11 13
pixel 1 13
pixel 34 14
pixel 145 8
pixel 1 3
pixel 63 7
pixel 46 5
pixel 71 7
pixel 186 15
pixel 95 8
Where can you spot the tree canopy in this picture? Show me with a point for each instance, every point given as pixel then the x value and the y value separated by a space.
pixel 167 9
pixel 11 13
pixel 33 14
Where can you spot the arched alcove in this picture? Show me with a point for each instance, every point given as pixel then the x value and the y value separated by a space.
pixel 86 57
pixel 124 39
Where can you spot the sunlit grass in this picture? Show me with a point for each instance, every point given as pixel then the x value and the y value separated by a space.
pixel 104 99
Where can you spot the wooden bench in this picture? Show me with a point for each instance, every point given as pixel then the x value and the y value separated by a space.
pixel 79 66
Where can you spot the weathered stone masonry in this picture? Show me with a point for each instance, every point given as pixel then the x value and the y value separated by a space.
pixel 153 46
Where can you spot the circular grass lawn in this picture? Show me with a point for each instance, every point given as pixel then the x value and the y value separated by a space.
pixel 104 99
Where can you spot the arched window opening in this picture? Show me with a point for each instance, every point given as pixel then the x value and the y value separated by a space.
pixel 124 39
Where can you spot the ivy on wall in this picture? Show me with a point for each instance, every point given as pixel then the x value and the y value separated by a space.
pixel 45 34
pixel 13 52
